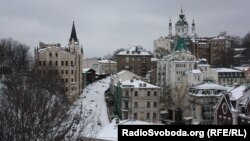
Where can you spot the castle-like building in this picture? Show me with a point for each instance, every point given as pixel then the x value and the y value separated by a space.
pixel 66 61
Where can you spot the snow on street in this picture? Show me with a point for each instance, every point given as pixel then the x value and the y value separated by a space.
pixel 93 103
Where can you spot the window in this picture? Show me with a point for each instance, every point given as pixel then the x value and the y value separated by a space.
pixel 135 104
pixel 127 59
pixel 50 63
pixel 72 79
pixel 66 89
pixel 66 71
pixel 155 104
pixel 40 63
pixel 56 54
pixel 44 63
pixel 148 104
pixel 56 63
pixel 72 71
pixel 154 115
pixel 66 63
pixel 126 104
pixel 66 80
pixel 62 71
pixel 148 93
pixel 135 116
pixel 71 62
pixel 127 93
pixel 72 89
pixel 50 54
pixel 155 93
pixel 62 63
pixel 148 115
pixel 56 71
pixel 136 93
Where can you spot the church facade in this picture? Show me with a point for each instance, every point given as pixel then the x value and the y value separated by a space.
pixel 165 45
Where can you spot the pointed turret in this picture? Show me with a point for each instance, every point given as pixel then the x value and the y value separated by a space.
pixel 193 28
pixel 170 28
pixel 73 34
pixel 180 44
pixel 182 16
pixel 193 24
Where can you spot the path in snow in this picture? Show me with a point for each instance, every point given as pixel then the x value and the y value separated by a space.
pixel 93 101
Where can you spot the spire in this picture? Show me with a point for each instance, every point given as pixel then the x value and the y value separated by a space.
pixel 193 28
pixel 170 28
pixel 182 16
pixel 180 44
pixel 73 33
pixel 170 23
pixel 193 24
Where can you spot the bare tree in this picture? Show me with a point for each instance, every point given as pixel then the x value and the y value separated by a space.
pixel 246 44
pixel 34 107
pixel 175 100
pixel 14 56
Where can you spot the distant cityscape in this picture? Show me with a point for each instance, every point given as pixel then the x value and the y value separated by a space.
pixel 186 80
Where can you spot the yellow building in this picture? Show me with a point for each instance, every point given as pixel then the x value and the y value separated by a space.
pixel 66 61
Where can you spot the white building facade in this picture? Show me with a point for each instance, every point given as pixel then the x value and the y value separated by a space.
pixel 172 75
pixel 203 99
pixel 105 67
pixel 138 100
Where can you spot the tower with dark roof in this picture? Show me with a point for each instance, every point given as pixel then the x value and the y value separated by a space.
pixel 66 60
pixel 73 36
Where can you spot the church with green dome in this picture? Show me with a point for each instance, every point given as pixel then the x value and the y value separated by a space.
pixel 181 27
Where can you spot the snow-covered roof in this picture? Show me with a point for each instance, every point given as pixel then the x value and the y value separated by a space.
pixel 134 51
pixel 84 70
pixel 237 92
pixel 210 86
pixel 110 132
pixel 239 49
pixel 225 70
pixel 154 59
pixel 135 83
pixel 195 71
pixel 121 72
pixel 204 65
pixel 241 68
pixel 238 56
pixel 219 38
pixel 106 61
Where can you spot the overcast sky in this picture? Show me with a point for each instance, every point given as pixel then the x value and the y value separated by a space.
pixel 103 26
